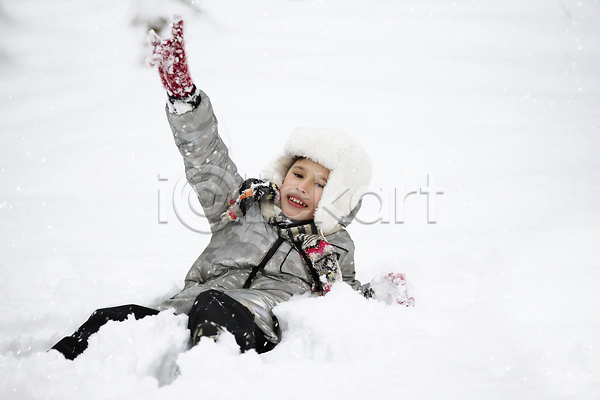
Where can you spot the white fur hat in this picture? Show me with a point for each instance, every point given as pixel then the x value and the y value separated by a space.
pixel 349 166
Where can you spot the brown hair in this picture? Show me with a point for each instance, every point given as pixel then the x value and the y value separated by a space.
pixel 294 160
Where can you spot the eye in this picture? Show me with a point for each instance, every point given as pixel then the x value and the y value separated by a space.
pixel 299 176
pixel 319 185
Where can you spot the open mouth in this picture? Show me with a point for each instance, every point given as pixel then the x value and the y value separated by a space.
pixel 296 201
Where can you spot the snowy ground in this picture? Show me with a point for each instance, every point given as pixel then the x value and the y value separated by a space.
pixel 499 99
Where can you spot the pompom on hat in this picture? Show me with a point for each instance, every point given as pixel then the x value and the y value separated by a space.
pixel 350 172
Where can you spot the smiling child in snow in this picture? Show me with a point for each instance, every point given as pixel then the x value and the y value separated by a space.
pixel 271 239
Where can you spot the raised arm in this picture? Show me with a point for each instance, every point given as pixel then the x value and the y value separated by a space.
pixel 209 169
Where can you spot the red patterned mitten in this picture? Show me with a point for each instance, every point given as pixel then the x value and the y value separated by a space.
pixel 392 288
pixel 170 57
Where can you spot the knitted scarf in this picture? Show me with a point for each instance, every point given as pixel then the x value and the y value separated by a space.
pixel 318 253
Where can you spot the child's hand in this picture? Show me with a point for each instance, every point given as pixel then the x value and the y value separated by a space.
pixel 392 288
pixel 170 57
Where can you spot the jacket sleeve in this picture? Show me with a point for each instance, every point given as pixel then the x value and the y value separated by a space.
pixel 208 167
pixel 349 273
pixel 344 246
pixel 347 266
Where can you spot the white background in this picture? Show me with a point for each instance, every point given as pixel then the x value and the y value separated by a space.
pixel 499 99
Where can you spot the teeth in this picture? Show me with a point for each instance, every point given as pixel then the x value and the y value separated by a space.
pixel 295 200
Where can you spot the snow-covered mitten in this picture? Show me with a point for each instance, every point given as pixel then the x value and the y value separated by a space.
pixel 391 288
pixel 170 57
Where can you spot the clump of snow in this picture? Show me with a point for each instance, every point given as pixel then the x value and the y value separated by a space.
pixel 122 359
pixel 179 107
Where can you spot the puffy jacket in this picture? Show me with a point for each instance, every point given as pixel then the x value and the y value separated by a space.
pixel 236 248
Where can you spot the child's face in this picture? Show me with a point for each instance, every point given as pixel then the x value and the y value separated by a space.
pixel 302 188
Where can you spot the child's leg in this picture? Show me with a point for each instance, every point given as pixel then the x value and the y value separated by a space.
pixel 74 345
pixel 216 308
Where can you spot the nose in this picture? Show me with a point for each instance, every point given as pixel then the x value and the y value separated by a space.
pixel 302 186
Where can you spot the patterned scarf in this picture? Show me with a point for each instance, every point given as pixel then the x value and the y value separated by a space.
pixel 318 253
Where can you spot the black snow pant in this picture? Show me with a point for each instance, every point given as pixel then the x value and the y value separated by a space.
pixel 210 306
pixel 224 311
pixel 74 345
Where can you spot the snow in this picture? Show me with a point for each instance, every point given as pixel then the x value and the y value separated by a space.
pixel 497 99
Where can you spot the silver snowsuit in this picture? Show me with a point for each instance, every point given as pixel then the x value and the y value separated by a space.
pixel 236 247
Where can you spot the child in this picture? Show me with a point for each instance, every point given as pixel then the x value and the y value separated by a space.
pixel 271 239
pixel 269 244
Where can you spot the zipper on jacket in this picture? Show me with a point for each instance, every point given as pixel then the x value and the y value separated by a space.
pixel 264 261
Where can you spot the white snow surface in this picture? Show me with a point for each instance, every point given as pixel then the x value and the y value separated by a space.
pixel 498 99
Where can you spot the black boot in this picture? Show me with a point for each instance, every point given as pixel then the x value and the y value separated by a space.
pixel 206 329
pixel 74 345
